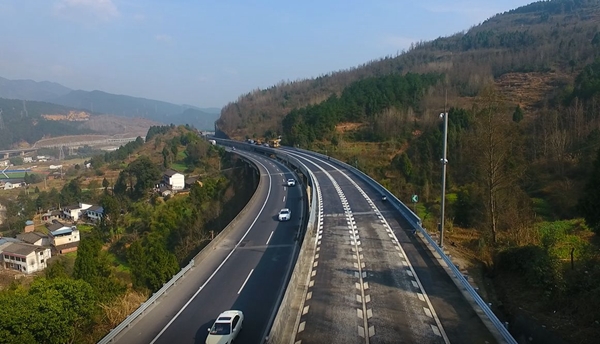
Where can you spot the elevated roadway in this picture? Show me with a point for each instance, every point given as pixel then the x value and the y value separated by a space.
pixel 372 281
pixel 247 271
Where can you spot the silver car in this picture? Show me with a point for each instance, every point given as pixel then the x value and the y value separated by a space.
pixel 227 326
pixel 285 214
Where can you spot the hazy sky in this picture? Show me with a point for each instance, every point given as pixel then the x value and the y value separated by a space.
pixel 208 52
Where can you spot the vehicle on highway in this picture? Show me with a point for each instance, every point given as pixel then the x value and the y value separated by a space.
pixel 383 198
pixel 291 182
pixel 285 214
pixel 227 326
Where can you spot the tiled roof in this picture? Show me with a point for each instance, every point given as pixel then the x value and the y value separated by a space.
pixel 170 173
pixel 56 225
pixel 31 237
pixel 96 208
pixel 21 249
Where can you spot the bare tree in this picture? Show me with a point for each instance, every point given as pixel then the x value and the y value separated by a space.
pixel 493 145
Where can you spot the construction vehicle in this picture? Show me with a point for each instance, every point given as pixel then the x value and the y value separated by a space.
pixel 275 143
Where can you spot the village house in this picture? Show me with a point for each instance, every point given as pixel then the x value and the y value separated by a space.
pixel 24 257
pixel 63 238
pixel 51 215
pixel 29 226
pixel 95 213
pixel 73 212
pixel 174 179
pixel 34 238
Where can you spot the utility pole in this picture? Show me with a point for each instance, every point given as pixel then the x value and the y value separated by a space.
pixel 444 162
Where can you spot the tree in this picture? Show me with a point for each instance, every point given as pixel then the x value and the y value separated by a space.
pixel 494 151
pixel 51 311
pixel 105 184
pixel 93 266
pixel 518 114
pixel 589 203
pixel 151 263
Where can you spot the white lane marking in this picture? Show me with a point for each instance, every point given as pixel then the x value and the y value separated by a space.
pixel 222 263
pixel 246 281
pixel 270 235
pixel 416 283
pixel 283 199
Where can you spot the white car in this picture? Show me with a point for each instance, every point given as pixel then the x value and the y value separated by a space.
pixel 227 326
pixel 291 182
pixel 285 214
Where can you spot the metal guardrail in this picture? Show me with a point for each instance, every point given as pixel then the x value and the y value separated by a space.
pixel 125 323
pixel 415 221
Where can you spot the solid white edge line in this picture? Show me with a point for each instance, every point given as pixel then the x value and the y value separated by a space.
pixel 222 263
pixel 246 281
pixel 270 235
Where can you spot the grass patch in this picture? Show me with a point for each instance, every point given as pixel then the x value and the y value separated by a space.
pixel 85 228
pixel 119 264
pixel 71 255
pixel 13 175
pixel 178 166
pixel 562 236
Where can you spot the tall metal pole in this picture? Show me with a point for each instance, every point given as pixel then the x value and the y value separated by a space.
pixel 444 163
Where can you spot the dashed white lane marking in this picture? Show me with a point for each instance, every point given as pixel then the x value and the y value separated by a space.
pixel 435 330
pixel 283 199
pixel 243 284
pixel 427 312
pixel 270 235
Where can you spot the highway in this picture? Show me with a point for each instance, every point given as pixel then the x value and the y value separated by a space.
pixel 372 280
pixel 247 271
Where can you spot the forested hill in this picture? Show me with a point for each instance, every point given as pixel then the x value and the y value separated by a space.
pixel 23 121
pixel 534 48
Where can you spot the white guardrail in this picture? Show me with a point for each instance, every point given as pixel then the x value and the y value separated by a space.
pixel 125 323
pixel 415 221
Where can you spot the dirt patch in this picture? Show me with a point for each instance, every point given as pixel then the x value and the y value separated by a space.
pixel 345 127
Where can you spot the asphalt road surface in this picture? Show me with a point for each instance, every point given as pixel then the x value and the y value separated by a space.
pixel 247 271
pixel 373 282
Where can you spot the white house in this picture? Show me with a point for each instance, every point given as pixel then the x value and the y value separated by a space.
pixel 73 212
pixel 64 238
pixel 24 257
pixel 175 179
pixel 95 213
pixel 27 159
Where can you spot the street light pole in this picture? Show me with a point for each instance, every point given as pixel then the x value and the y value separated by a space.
pixel 444 162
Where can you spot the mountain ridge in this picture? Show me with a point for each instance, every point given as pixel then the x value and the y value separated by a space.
pixel 97 101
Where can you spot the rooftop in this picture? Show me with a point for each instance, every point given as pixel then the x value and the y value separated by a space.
pixel 171 173
pixel 21 249
pixel 56 225
pixel 31 237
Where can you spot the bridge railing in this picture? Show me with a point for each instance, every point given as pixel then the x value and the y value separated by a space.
pixel 144 306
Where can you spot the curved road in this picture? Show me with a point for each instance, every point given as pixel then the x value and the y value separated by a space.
pixel 247 271
pixel 373 282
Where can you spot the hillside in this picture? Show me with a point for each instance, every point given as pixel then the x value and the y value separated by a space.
pixel 126 106
pixel 107 103
pixel 551 39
